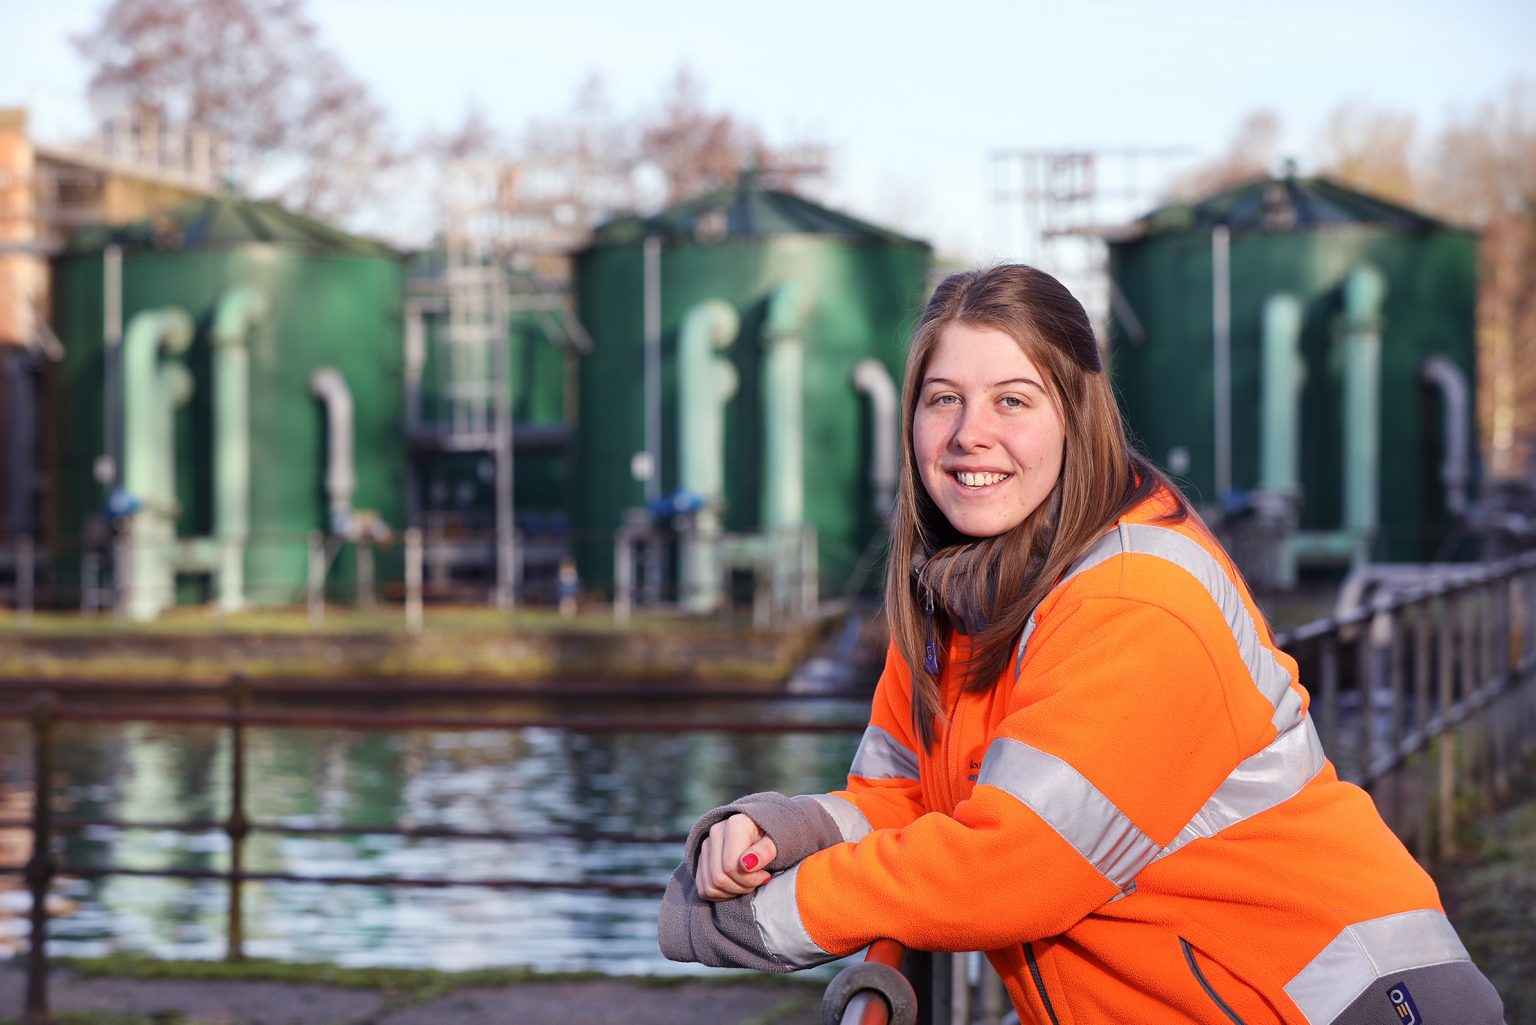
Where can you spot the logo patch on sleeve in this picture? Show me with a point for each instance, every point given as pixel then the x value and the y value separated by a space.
pixel 1402 1003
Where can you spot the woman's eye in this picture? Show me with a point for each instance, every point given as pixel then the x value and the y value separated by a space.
pixel 944 399
pixel 1012 402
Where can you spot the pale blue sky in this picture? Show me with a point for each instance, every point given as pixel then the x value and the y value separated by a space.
pixel 911 97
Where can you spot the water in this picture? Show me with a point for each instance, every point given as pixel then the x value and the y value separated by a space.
pixel 527 780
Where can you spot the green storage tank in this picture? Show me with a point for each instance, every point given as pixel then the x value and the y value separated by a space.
pixel 778 300
pixel 229 310
pixel 1351 355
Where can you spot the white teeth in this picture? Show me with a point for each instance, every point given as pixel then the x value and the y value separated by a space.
pixel 980 480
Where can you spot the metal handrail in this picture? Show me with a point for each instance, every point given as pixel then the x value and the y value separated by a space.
pixel 872 992
pixel 45 712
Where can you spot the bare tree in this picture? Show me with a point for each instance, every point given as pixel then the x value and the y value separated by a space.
pixel 697 149
pixel 1482 173
pixel 1253 152
pixel 1371 150
pixel 254 73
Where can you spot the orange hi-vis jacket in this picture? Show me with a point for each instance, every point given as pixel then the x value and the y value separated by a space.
pixel 1138 824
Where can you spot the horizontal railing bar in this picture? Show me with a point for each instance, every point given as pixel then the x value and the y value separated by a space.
pixel 409 832
pixel 432 689
pixel 621 889
pixel 370 721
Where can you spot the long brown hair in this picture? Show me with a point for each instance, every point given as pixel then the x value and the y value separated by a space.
pixel 1101 478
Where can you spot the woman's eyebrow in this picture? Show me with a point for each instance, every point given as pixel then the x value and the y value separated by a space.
pixel 996 384
pixel 1022 380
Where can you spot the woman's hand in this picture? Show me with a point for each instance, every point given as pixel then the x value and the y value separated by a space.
pixel 732 859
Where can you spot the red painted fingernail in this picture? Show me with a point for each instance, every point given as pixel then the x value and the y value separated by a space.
pixel 749 861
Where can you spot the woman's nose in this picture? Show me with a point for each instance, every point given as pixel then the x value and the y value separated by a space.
pixel 972 430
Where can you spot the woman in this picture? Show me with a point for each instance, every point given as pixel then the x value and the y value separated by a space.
pixel 1085 756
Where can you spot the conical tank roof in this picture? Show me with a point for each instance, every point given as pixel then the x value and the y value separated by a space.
pixel 747 211
pixel 225 222
pixel 1283 204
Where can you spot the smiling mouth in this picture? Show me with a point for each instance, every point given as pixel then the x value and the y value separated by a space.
pixel 980 480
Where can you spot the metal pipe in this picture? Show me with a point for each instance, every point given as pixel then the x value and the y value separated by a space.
pixel 330 387
pixel 1221 355
pixel 151 392
pixel 1364 290
pixel 1455 405
pixel 872 380
pixel 1284 373
pixel 112 356
pixel 782 503
pixel 651 272
pixel 705 383
pixel 239 311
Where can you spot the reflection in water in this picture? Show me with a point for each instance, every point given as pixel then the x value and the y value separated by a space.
pixel 531 780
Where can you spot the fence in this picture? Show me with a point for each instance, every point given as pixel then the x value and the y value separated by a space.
pixel 1427 700
pixel 48 709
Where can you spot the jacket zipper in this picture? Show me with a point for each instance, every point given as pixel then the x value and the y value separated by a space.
pixel 1034 970
pixel 1189 956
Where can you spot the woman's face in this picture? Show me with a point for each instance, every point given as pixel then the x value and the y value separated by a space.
pixel 987 435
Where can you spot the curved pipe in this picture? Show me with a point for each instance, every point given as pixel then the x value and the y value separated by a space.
pixel 327 385
pixel 151 392
pixel 145 473
pixel 706 383
pixel 783 393
pixel 872 380
pixel 238 312
pixel 1456 462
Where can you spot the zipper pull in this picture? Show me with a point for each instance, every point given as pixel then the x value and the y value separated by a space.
pixel 930 649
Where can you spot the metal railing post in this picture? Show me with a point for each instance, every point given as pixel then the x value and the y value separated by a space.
pixel 1424 786
pixel 42 867
pixel 237 825
pixel 26 573
pixel 315 584
pixel 413 599
pixel 1450 629
pixel 1328 658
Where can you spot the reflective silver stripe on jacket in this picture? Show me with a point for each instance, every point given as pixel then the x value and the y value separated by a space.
pixel 778 922
pixel 1367 951
pixel 1106 837
pixel 1071 805
pixel 1143 539
pixel 850 820
pixel 882 756
pixel 1261 781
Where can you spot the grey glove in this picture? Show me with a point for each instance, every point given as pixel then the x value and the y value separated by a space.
pixel 799 827
pixel 727 933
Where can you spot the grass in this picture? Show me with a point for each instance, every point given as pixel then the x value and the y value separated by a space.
pixel 415 983
pixel 1490 894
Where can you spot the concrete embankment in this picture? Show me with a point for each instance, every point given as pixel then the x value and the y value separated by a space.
pixel 498 648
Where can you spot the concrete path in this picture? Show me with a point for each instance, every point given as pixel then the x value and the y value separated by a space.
pixel 597 1002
